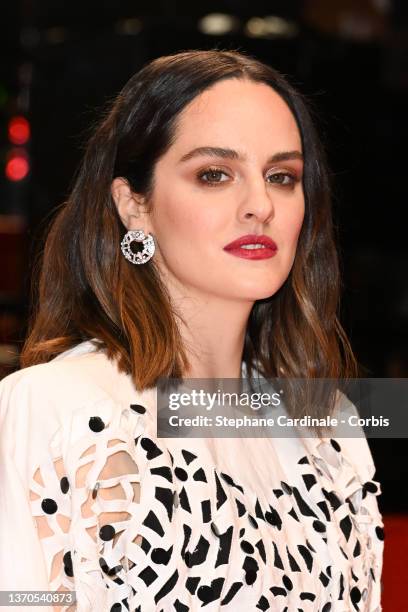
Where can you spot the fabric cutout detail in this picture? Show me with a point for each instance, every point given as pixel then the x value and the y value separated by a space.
pixel 130 525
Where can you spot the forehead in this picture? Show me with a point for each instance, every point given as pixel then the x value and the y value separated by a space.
pixel 238 112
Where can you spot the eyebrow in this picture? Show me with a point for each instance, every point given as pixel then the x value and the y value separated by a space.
pixel 232 154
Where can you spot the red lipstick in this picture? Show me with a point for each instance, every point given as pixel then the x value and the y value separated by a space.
pixel 252 246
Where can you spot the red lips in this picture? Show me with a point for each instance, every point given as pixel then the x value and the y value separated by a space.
pixel 237 247
pixel 252 239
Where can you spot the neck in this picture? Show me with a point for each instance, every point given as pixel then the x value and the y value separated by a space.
pixel 213 335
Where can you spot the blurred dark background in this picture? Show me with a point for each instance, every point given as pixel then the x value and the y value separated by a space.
pixel 61 61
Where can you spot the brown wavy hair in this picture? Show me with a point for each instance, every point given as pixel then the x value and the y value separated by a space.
pixel 87 289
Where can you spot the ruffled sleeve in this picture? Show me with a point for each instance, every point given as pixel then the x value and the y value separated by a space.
pixel 70 511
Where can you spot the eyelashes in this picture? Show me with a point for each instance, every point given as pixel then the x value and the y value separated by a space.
pixel 208 172
pixel 211 177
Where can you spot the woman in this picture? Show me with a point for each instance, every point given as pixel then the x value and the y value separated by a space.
pixel 211 159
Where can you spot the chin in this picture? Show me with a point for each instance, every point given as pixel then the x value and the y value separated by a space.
pixel 260 291
pixel 265 295
pixel 254 295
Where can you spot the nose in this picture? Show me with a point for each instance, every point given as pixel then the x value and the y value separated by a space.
pixel 257 202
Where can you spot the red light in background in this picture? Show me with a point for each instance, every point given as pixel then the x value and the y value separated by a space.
pixel 18 130
pixel 17 166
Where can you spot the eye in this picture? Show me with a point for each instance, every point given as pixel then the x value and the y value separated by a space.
pixel 286 179
pixel 211 176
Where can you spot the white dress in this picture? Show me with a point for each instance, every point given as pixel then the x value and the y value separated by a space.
pixel 92 502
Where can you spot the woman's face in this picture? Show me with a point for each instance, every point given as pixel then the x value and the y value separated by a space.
pixel 235 168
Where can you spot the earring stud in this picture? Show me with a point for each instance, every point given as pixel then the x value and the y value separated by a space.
pixel 147 252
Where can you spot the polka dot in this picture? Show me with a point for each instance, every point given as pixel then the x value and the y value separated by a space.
pixel 49 506
pixel 278 591
pixel 180 473
pixel 370 487
pixel 355 594
pixel 64 484
pixel 287 582
pixel 67 561
pixel 106 533
pixel 319 526
pixel 138 408
pixel 335 445
pixel 247 575
pixel 68 571
pixel 96 424
pixel 379 532
pixel 247 547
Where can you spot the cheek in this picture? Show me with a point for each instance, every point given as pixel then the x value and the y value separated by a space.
pixel 192 219
pixel 296 227
pixel 290 224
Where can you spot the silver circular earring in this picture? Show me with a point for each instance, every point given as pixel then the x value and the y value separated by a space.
pixel 148 246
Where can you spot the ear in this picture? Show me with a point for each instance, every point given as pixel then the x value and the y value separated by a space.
pixel 130 205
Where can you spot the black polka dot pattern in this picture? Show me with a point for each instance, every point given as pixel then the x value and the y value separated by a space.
pixel 180 473
pixel 96 424
pixel 67 561
pixel 49 506
pixel 370 487
pixel 247 547
pixel 335 445
pixel 106 533
pixel 319 526
pixel 64 484
pixel 138 408
pixel 379 532
pixel 355 595
pixel 198 533
pixel 287 582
